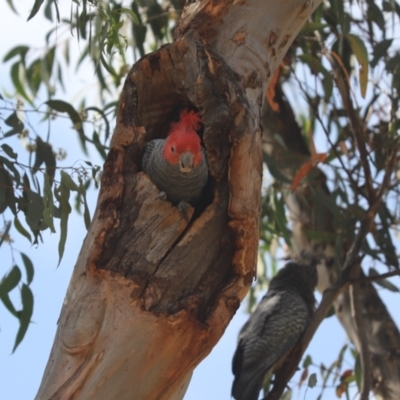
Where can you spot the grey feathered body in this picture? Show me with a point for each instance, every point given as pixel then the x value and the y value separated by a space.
pixel 272 330
pixel 178 186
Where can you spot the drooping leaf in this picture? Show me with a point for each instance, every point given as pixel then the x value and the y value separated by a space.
pixel 15 123
pixel 21 229
pixel 5 299
pixel 9 151
pixel 103 115
pixel 25 314
pixel 62 106
pixel 10 281
pixel 99 146
pixel 86 213
pixel 34 212
pixel 130 13
pixel 28 268
pixel 307 361
pixel 7 197
pixel 139 31
pixel 4 235
pixel 67 181
pixel 17 72
pixel 360 51
pixel 312 380
pixel 65 209
pixel 3 189
pixel 358 371
pixel 157 19
pixel 44 154
pixel 48 204
pixel 11 4
pixel 380 50
pixel 11 167
pixel 35 9
pixel 375 14
pixel 19 50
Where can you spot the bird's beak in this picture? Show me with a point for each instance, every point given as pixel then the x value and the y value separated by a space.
pixel 186 162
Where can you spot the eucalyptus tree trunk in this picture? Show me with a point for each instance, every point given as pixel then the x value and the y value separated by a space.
pixel 152 293
pixel 308 213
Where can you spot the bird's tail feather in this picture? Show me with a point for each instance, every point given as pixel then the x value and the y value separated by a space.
pixel 248 385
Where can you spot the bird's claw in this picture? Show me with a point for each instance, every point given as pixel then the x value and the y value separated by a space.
pixel 186 210
pixel 162 196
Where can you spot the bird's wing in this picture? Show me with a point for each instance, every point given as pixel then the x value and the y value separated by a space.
pixel 273 329
pixel 148 150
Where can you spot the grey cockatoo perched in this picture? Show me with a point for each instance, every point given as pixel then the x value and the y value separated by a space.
pixel 177 164
pixel 274 328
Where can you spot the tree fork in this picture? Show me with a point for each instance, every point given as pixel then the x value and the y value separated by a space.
pixel 151 294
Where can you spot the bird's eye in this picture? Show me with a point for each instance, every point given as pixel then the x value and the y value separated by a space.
pixel 173 149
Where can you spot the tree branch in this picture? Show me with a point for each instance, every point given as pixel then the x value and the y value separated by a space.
pixel 329 296
pixel 375 277
pixel 364 351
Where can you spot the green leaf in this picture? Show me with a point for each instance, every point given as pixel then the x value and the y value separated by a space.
pixel 108 66
pixel 65 211
pixel 382 282
pixel 7 197
pixel 380 50
pixel 307 361
pixel 62 106
pixel 86 213
pixel 358 371
pixel 34 76
pixel 10 3
pixel 374 13
pixel 130 13
pixel 10 281
pixel 44 154
pixel 9 151
pixel 21 229
pixel 13 121
pixel 25 314
pixel 19 50
pixel 98 145
pixel 360 51
pixel 17 70
pixel 274 169
pixel 287 395
pixel 3 190
pixel 9 305
pixel 48 204
pixel 35 9
pixel 28 268
pixel 34 212
pixel 312 380
pixel 103 115
pixel 68 182
pixel 313 62
pixel 5 232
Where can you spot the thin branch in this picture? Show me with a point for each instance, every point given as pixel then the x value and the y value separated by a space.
pixel 333 147
pixel 357 311
pixel 375 277
pixel 357 126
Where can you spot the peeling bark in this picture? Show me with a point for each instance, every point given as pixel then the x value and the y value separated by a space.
pixel 151 293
